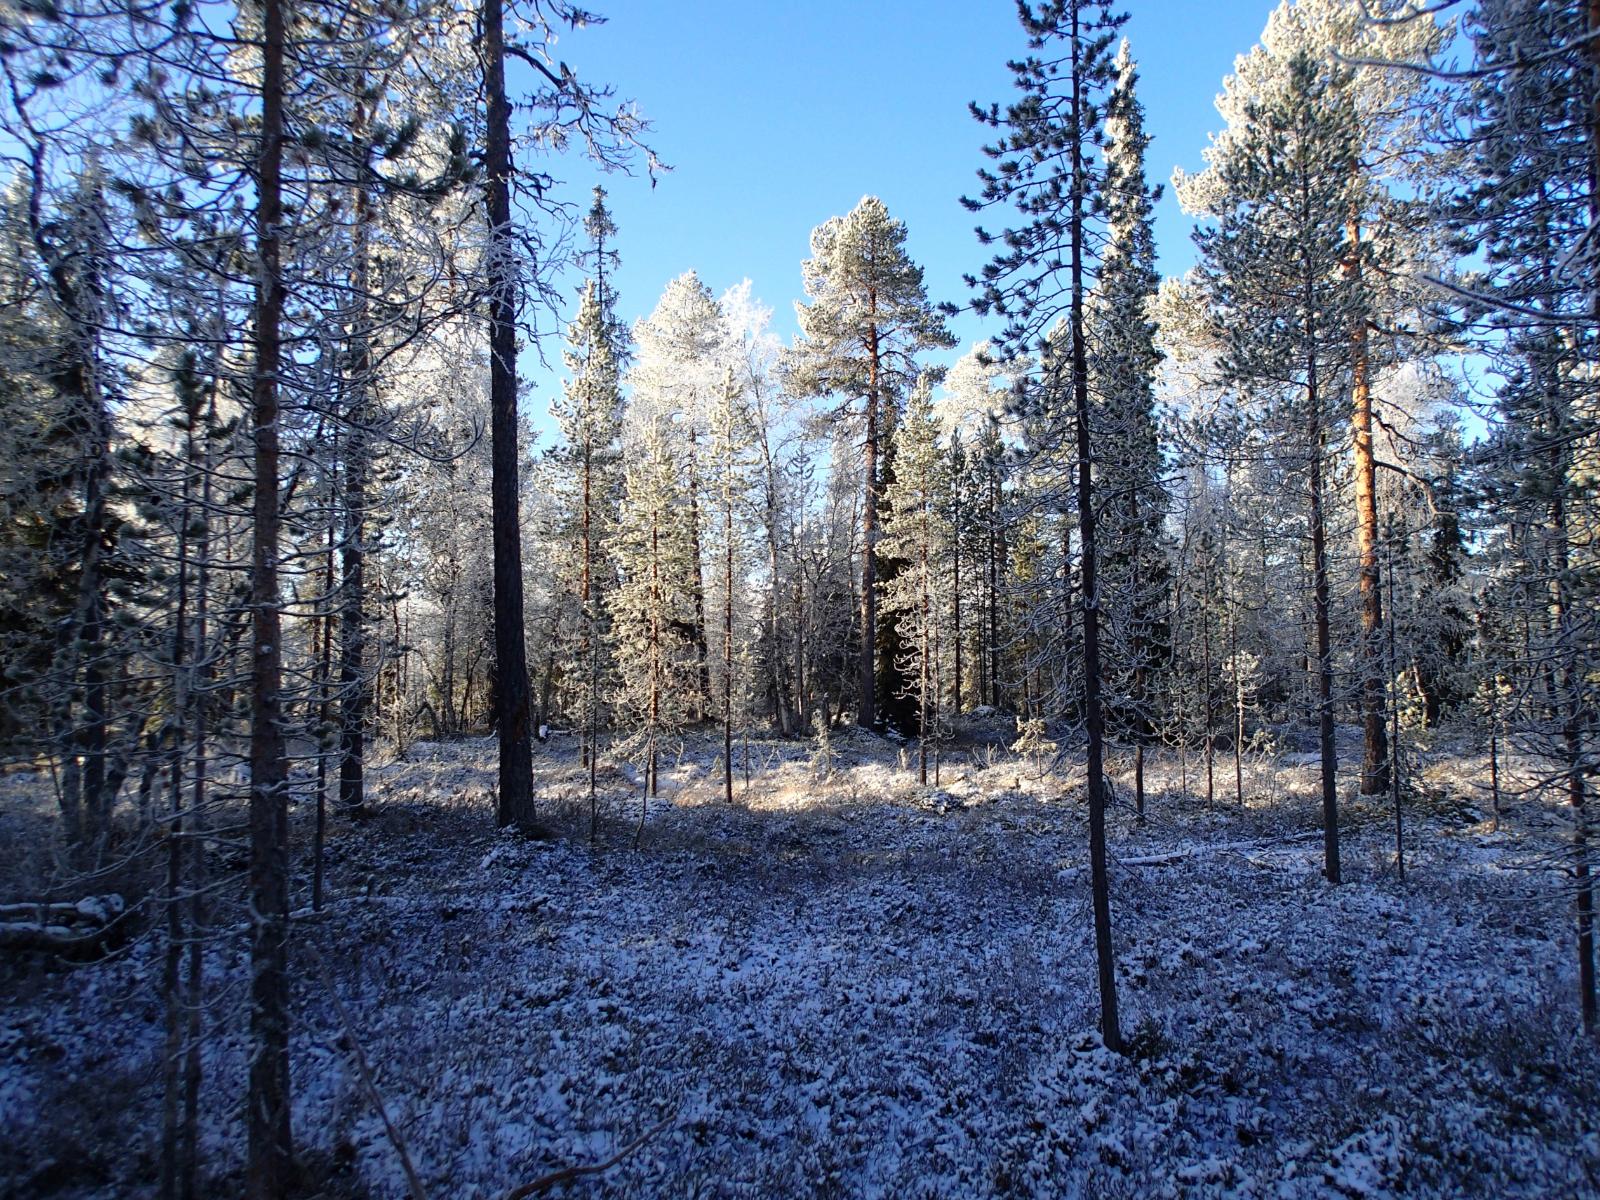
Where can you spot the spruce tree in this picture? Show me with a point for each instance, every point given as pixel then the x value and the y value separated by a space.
pixel 917 533
pixel 1123 411
pixel 588 477
pixel 1530 205
pixel 652 632
pixel 867 320
pixel 680 367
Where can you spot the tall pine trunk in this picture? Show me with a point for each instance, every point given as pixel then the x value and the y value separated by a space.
pixel 324 705
pixel 1578 719
pixel 269 1163
pixel 512 692
pixel 867 707
pixel 1094 716
pixel 173 961
pixel 1320 599
pixel 1375 747
pixel 353 681
pixel 955 597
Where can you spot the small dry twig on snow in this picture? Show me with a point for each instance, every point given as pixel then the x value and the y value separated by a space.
pixel 568 1174
pixel 413 1183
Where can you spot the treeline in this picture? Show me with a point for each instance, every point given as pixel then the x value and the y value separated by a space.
pixel 269 496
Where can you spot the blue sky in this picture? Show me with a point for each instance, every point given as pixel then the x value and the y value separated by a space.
pixel 777 116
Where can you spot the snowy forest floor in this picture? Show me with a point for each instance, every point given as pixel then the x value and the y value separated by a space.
pixel 846 985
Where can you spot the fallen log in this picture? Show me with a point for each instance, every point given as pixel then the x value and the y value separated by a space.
pixel 73 929
pixel 1190 851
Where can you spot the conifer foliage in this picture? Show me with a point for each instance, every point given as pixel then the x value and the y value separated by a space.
pixel 1047 170
pixel 1284 308
pixel 278 504
pixel 867 319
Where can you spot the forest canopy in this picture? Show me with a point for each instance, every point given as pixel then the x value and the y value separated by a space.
pixel 1271 542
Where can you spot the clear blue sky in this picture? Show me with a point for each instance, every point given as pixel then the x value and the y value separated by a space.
pixel 776 116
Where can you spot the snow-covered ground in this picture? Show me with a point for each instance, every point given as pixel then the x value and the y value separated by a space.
pixel 845 985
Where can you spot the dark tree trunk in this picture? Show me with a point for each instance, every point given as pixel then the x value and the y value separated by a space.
pixel 1577 716
pixel 955 600
pixel 353 681
pixel 1572 716
pixel 924 679
pixel 1207 695
pixel 784 703
pixel 512 722
pixel 1320 602
pixel 194 984
pixel 995 551
pixel 702 643
pixel 867 708
pixel 324 714
pixel 269 1163
pixel 1094 717
pixel 172 965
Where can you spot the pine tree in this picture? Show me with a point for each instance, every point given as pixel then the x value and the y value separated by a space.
pixel 1046 170
pixel 271 1150
pixel 1284 305
pixel 513 717
pixel 1389 237
pixel 867 320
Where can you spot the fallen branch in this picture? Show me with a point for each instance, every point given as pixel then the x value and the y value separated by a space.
pixel 1172 856
pixel 567 1174
pixel 395 1140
